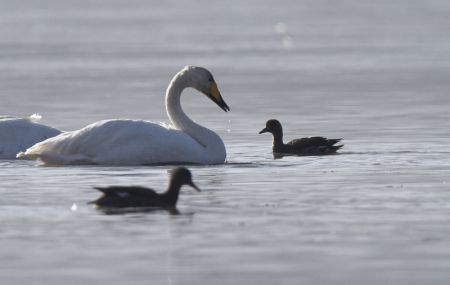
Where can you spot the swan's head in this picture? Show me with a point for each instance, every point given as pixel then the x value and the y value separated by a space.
pixel 202 80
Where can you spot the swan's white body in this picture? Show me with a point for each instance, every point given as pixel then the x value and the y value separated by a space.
pixel 131 142
pixel 17 134
pixel 126 142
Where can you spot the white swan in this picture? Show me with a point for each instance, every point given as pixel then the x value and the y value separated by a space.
pixel 17 134
pixel 131 142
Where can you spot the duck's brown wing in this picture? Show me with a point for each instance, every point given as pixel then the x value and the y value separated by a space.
pixel 127 196
pixel 311 141
pixel 315 145
pixel 122 191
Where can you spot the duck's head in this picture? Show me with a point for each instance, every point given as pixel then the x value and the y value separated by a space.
pixel 272 126
pixel 202 80
pixel 182 176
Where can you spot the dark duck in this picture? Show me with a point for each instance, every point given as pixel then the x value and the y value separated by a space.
pixel 136 196
pixel 303 146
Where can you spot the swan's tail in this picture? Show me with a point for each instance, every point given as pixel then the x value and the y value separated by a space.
pixel 29 154
pixel 21 155
pixel 35 117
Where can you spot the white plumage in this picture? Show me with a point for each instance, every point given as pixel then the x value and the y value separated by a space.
pixel 133 142
pixel 17 134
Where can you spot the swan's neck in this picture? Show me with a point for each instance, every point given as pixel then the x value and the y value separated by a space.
pixel 177 116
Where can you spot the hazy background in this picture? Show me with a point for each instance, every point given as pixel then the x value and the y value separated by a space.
pixel 79 61
pixel 375 73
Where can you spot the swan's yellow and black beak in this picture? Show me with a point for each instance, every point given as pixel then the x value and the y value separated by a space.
pixel 214 94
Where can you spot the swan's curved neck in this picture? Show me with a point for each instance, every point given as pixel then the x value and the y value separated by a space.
pixel 176 114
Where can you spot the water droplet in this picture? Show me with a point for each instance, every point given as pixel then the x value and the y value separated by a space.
pixel 280 28
pixel 229 126
pixel 74 207
pixel 288 42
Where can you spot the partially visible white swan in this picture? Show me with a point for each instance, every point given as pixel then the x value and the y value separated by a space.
pixel 17 134
pixel 131 142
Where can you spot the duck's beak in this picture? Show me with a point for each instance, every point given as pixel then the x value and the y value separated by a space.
pixel 214 94
pixel 194 186
pixel 265 130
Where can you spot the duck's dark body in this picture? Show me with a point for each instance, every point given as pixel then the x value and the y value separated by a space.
pixel 133 196
pixel 303 146
pixel 136 196
pixel 308 146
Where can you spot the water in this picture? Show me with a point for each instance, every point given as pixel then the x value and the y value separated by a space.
pixel 372 72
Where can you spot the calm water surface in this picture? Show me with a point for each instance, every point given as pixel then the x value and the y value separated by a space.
pixel 375 73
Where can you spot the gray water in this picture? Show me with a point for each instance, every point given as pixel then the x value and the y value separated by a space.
pixel 375 73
